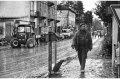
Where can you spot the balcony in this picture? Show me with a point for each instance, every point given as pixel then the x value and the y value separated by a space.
pixel 50 3
pixel 50 19
pixel 34 13
pixel 42 17
pixel 57 21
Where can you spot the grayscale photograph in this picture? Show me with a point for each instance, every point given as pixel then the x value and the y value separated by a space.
pixel 60 39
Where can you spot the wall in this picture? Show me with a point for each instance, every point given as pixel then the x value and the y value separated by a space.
pixel 72 18
pixel 62 16
pixel 49 13
pixel 2 25
pixel 14 8
pixel 7 30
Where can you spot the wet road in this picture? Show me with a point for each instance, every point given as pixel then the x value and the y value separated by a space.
pixel 22 59
pixel 16 62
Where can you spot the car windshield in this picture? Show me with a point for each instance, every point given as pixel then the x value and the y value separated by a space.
pixel 23 29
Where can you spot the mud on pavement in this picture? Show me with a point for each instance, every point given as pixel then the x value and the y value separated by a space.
pixel 96 66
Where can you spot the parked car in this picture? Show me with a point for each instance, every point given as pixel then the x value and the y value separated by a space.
pixel 60 37
pixel 67 33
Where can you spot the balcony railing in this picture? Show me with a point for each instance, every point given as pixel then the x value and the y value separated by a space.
pixel 34 13
pixel 42 17
pixel 51 19
pixel 50 3
pixel 57 21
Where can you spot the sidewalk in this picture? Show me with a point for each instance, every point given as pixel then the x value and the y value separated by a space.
pixel 96 66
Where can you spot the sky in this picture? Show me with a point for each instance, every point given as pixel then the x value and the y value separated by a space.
pixel 89 5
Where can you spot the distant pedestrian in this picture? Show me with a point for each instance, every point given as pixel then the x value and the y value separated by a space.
pixel 98 34
pixel 95 34
pixel 37 38
pixel 82 42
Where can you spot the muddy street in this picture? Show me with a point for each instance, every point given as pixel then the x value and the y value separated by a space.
pixel 16 62
pixel 96 66
pixel 23 59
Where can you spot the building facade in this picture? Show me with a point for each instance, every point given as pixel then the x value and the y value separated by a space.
pixel 44 15
pixel 66 17
pixel 40 14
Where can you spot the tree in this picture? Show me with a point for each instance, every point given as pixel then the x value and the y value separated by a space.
pixel 79 12
pixel 67 3
pixel 88 17
pixel 101 9
pixel 79 7
pixel 96 25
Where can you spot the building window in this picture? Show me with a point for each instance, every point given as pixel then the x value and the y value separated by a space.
pixel 39 30
pixel 1 30
pixel 32 5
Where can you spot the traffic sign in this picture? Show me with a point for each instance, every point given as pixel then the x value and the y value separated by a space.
pixel 116 12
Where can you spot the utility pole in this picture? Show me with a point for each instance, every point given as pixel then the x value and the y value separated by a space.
pixel 49 52
pixel 55 44
pixel 68 19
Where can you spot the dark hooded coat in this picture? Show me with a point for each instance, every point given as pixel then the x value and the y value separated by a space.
pixel 88 43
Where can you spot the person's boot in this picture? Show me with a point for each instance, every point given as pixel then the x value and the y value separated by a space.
pixel 83 66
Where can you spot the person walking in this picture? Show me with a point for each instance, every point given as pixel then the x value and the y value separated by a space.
pixel 82 42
